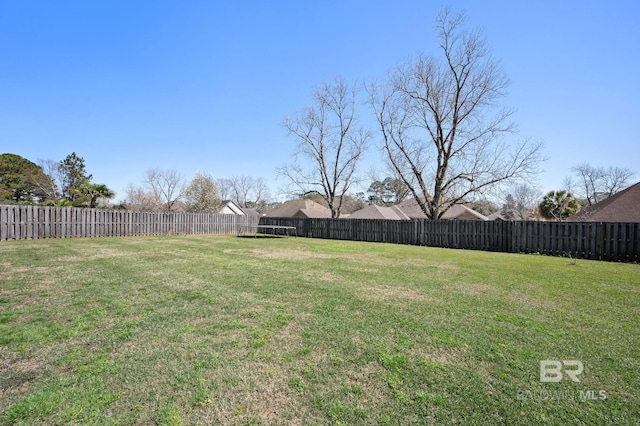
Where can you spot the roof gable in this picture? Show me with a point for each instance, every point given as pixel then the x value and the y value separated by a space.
pixel 230 207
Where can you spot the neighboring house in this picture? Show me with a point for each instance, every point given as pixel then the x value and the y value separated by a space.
pixel 621 207
pixel 462 212
pixel 300 208
pixel 511 214
pixel 231 207
pixel 411 208
pixel 497 216
pixel 378 212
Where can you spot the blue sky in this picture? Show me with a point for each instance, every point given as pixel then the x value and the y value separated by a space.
pixel 204 85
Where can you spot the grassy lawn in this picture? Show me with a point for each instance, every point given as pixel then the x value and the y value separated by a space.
pixel 227 330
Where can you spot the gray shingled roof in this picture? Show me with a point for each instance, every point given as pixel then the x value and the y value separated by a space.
pixel 459 211
pixel 299 208
pixel 621 207
pixel 411 208
pixel 462 212
pixel 373 211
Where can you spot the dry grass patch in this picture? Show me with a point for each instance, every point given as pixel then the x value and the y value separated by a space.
pixel 324 276
pixel 370 379
pixel 469 289
pixel 18 374
pixel 379 259
pixel 30 269
pixel 282 254
pixel 257 394
pixel 441 356
pixel 528 300
pixel 388 293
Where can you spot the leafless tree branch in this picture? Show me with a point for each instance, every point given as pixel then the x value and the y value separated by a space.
pixel 442 128
pixel 329 144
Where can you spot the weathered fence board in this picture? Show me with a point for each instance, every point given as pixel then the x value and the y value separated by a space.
pixel 38 222
pixel 585 240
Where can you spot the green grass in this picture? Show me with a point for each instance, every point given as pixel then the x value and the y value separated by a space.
pixel 226 330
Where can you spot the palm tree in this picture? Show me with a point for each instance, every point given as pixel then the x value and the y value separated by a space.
pixel 60 202
pixel 94 191
pixel 558 205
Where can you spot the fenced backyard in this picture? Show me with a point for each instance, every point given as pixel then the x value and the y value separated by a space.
pixel 585 240
pixel 215 329
pixel 609 241
pixel 39 222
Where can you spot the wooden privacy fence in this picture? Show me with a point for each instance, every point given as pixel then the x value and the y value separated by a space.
pixel 585 240
pixel 35 222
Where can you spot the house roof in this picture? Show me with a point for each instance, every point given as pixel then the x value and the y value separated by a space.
pixel 621 207
pixel 510 214
pixel 411 208
pixel 299 208
pixel 496 216
pixel 373 211
pixel 231 207
pixel 314 213
pixel 462 212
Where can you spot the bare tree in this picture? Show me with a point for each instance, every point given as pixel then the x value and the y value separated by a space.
pixel 167 186
pixel 140 199
pixel 442 130
pixel 225 186
pixel 521 202
pixel 246 191
pixel 594 184
pixel 242 187
pixel 202 195
pixel 50 182
pixel 329 144
pixel 261 194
